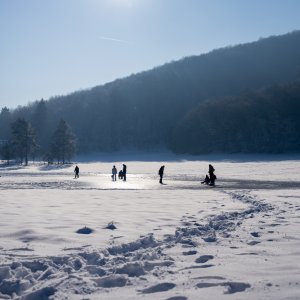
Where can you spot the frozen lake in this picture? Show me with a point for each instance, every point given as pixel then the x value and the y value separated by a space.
pixel 180 239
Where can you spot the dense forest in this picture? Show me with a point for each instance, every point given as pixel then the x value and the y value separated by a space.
pixel 210 102
pixel 266 120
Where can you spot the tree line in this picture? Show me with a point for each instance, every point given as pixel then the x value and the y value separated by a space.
pixel 265 121
pixel 24 142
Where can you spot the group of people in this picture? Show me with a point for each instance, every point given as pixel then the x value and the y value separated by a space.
pixel 121 175
pixel 209 179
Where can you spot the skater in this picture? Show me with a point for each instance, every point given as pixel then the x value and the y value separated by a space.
pixel 124 172
pixel 212 176
pixel 114 173
pixel 161 174
pixel 120 174
pixel 76 171
pixel 206 180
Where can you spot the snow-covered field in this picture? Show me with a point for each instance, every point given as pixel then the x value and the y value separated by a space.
pixel 181 240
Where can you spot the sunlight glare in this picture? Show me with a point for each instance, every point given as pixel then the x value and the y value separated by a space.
pixel 122 3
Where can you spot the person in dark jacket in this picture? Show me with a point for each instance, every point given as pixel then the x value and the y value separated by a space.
pixel 114 173
pixel 161 174
pixel 76 171
pixel 212 176
pixel 120 174
pixel 124 172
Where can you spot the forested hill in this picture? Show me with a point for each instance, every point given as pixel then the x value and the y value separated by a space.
pixel 266 120
pixel 147 110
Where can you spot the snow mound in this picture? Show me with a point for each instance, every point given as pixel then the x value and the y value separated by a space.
pixel 111 226
pixel 85 230
pixel 142 243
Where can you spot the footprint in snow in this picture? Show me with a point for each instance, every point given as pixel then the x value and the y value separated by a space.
pixel 191 252
pixel 210 277
pixel 203 259
pixel 255 234
pixel 252 243
pixel 274 225
pixel 161 287
pixel 111 281
pixel 232 287
pixel 198 267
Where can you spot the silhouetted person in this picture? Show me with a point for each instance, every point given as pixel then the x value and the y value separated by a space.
pixel 76 171
pixel 124 172
pixel 120 174
pixel 212 176
pixel 206 180
pixel 161 174
pixel 213 179
pixel 114 173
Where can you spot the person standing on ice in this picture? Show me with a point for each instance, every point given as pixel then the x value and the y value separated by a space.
pixel 212 176
pixel 161 174
pixel 76 171
pixel 114 173
pixel 124 172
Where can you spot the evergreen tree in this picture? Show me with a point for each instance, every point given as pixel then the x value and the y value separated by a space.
pixel 5 119
pixel 6 152
pixel 23 139
pixel 39 121
pixel 63 142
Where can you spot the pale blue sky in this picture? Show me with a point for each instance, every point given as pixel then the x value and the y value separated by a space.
pixel 54 47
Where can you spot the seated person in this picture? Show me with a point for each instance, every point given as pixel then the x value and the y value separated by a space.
pixel 206 180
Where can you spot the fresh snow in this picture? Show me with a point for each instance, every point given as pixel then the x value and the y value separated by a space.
pixel 91 238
